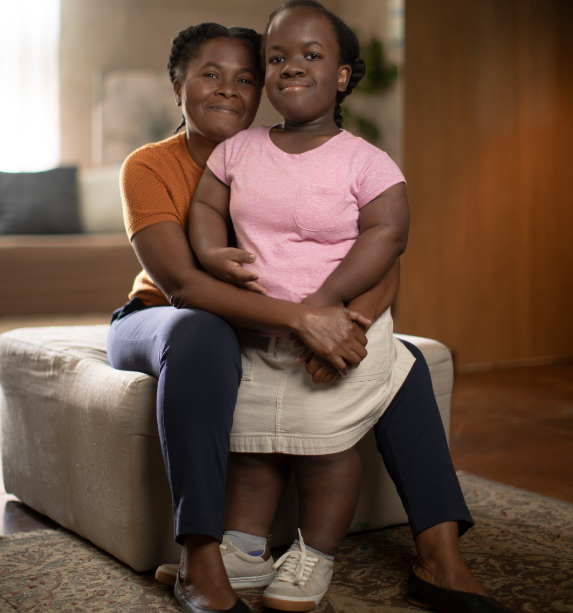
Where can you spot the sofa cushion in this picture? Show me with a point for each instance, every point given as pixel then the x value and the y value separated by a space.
pixel 100 200
pixel 39 202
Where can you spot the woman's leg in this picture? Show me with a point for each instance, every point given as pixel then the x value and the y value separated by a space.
pixel 196 358
pixel 411 438
pixel 328 488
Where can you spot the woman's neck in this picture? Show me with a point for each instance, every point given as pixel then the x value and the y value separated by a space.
pixel 199 147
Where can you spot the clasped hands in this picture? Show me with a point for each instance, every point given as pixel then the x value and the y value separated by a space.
pixel 226 263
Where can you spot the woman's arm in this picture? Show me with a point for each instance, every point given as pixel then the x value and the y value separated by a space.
pixel 334 333
pixel 384 224
pixel 372 303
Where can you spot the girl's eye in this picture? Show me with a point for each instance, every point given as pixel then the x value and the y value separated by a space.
pixel 275 60
pixel 210 75
pixel 312 56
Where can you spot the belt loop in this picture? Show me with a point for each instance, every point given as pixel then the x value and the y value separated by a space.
pixel 272 347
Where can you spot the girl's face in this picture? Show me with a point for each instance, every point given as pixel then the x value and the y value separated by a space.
pixel 302 71
pixel 221 94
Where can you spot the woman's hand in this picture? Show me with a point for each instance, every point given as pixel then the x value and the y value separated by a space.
pixel 335 334
pixel 226 263
pixel 318 368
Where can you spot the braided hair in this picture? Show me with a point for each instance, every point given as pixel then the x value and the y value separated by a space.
pixel 187 45
pixel 347 43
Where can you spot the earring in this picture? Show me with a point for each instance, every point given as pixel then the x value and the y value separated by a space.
pixel 178 101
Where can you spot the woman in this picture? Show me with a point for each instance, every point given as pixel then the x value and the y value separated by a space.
pixel 164 331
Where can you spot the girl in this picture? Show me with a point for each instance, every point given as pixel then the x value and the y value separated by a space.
pixel 323 216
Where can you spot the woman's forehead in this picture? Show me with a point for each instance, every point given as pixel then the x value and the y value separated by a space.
pixel 226 52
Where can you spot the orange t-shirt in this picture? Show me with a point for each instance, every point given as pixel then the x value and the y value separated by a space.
pixel 157 184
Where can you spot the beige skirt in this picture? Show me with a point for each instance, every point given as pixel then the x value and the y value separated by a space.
pixel 281 410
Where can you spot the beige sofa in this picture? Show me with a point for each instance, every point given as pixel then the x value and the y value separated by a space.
pixel 80 444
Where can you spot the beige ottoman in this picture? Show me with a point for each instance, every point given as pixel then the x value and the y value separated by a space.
pixel 80 444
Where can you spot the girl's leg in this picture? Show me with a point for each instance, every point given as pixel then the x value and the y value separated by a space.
pixel 196 358
pixel 255 485
pixel 328 488
pixel 411 438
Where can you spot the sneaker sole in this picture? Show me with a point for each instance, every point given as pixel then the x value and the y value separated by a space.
pixel 239 583
pixel 165 576
pixel 291 604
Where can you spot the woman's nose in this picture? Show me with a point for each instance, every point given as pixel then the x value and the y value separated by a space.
pixel 227 88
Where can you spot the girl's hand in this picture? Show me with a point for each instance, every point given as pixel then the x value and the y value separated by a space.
pixel 318 368
pixel 335 334
pixel 225 263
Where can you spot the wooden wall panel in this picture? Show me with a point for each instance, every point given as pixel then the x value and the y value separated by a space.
pixel 488 157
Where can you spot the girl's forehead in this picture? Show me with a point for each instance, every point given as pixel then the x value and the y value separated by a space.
pixel 293 25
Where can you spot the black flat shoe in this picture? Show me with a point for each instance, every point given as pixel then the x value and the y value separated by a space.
pixel 428 596
pixel 239 607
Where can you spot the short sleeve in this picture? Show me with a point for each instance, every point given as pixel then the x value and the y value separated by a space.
pixel 379 173
pixel 217 162
pixel 145 197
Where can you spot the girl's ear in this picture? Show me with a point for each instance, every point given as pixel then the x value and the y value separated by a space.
pixel 177 89
pixel 344 73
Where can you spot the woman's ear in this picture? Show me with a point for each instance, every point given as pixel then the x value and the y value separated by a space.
pixel 344 73
pixel 177 85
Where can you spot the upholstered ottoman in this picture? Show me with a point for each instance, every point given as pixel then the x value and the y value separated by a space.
pixel 80 444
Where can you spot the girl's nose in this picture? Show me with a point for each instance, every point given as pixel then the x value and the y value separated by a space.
pixel 291 69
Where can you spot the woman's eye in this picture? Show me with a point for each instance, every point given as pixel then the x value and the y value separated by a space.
pixel 210 75
pixel 312 56
pixel 245 80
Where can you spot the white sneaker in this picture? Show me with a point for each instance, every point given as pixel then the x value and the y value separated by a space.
pixel 301 582
pixel 243 570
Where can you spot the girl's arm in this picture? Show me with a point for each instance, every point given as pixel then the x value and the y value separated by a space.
pixel 384 224
pixel 164 252
pixel 208 233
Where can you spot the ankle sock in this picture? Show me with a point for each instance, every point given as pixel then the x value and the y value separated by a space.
pixel 247 543
pixel 313 550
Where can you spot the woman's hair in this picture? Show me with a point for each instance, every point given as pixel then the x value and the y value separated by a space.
pixel 347 43
pixel 187 45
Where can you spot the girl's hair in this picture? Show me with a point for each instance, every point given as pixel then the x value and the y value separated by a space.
pixel 187 45
pixel 347 43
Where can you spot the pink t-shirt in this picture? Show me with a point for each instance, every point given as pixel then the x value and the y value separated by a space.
pixel 299 212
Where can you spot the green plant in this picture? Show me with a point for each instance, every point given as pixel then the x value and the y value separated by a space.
pixel 380 75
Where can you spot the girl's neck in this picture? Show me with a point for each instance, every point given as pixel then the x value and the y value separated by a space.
pixel 317 127
pixel 199 147
pixel 296 138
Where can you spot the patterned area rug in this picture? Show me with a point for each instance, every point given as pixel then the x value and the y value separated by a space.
pixel 521 549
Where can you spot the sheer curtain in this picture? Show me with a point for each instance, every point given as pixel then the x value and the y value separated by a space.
pixel 29 84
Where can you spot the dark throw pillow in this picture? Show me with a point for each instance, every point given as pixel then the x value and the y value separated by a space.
pixel 39 202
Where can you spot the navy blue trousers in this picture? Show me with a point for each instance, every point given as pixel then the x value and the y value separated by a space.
pixel 195 357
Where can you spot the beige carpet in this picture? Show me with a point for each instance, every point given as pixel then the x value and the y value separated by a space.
pixel 521 548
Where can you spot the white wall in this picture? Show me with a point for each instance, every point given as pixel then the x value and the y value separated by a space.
pixel 103 35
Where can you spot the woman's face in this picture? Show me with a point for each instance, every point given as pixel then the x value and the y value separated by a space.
pixel 302 72
pixel 221 94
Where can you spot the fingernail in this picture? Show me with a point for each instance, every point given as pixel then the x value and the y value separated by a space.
pixel 251 258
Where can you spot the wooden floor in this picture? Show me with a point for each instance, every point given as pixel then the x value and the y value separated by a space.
pixel 512 426
pixel 516 427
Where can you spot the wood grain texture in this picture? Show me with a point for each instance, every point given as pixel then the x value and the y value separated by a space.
pixel 65 274
pixel 488 156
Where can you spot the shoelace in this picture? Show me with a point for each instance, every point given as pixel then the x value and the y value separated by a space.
pixel 295 566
